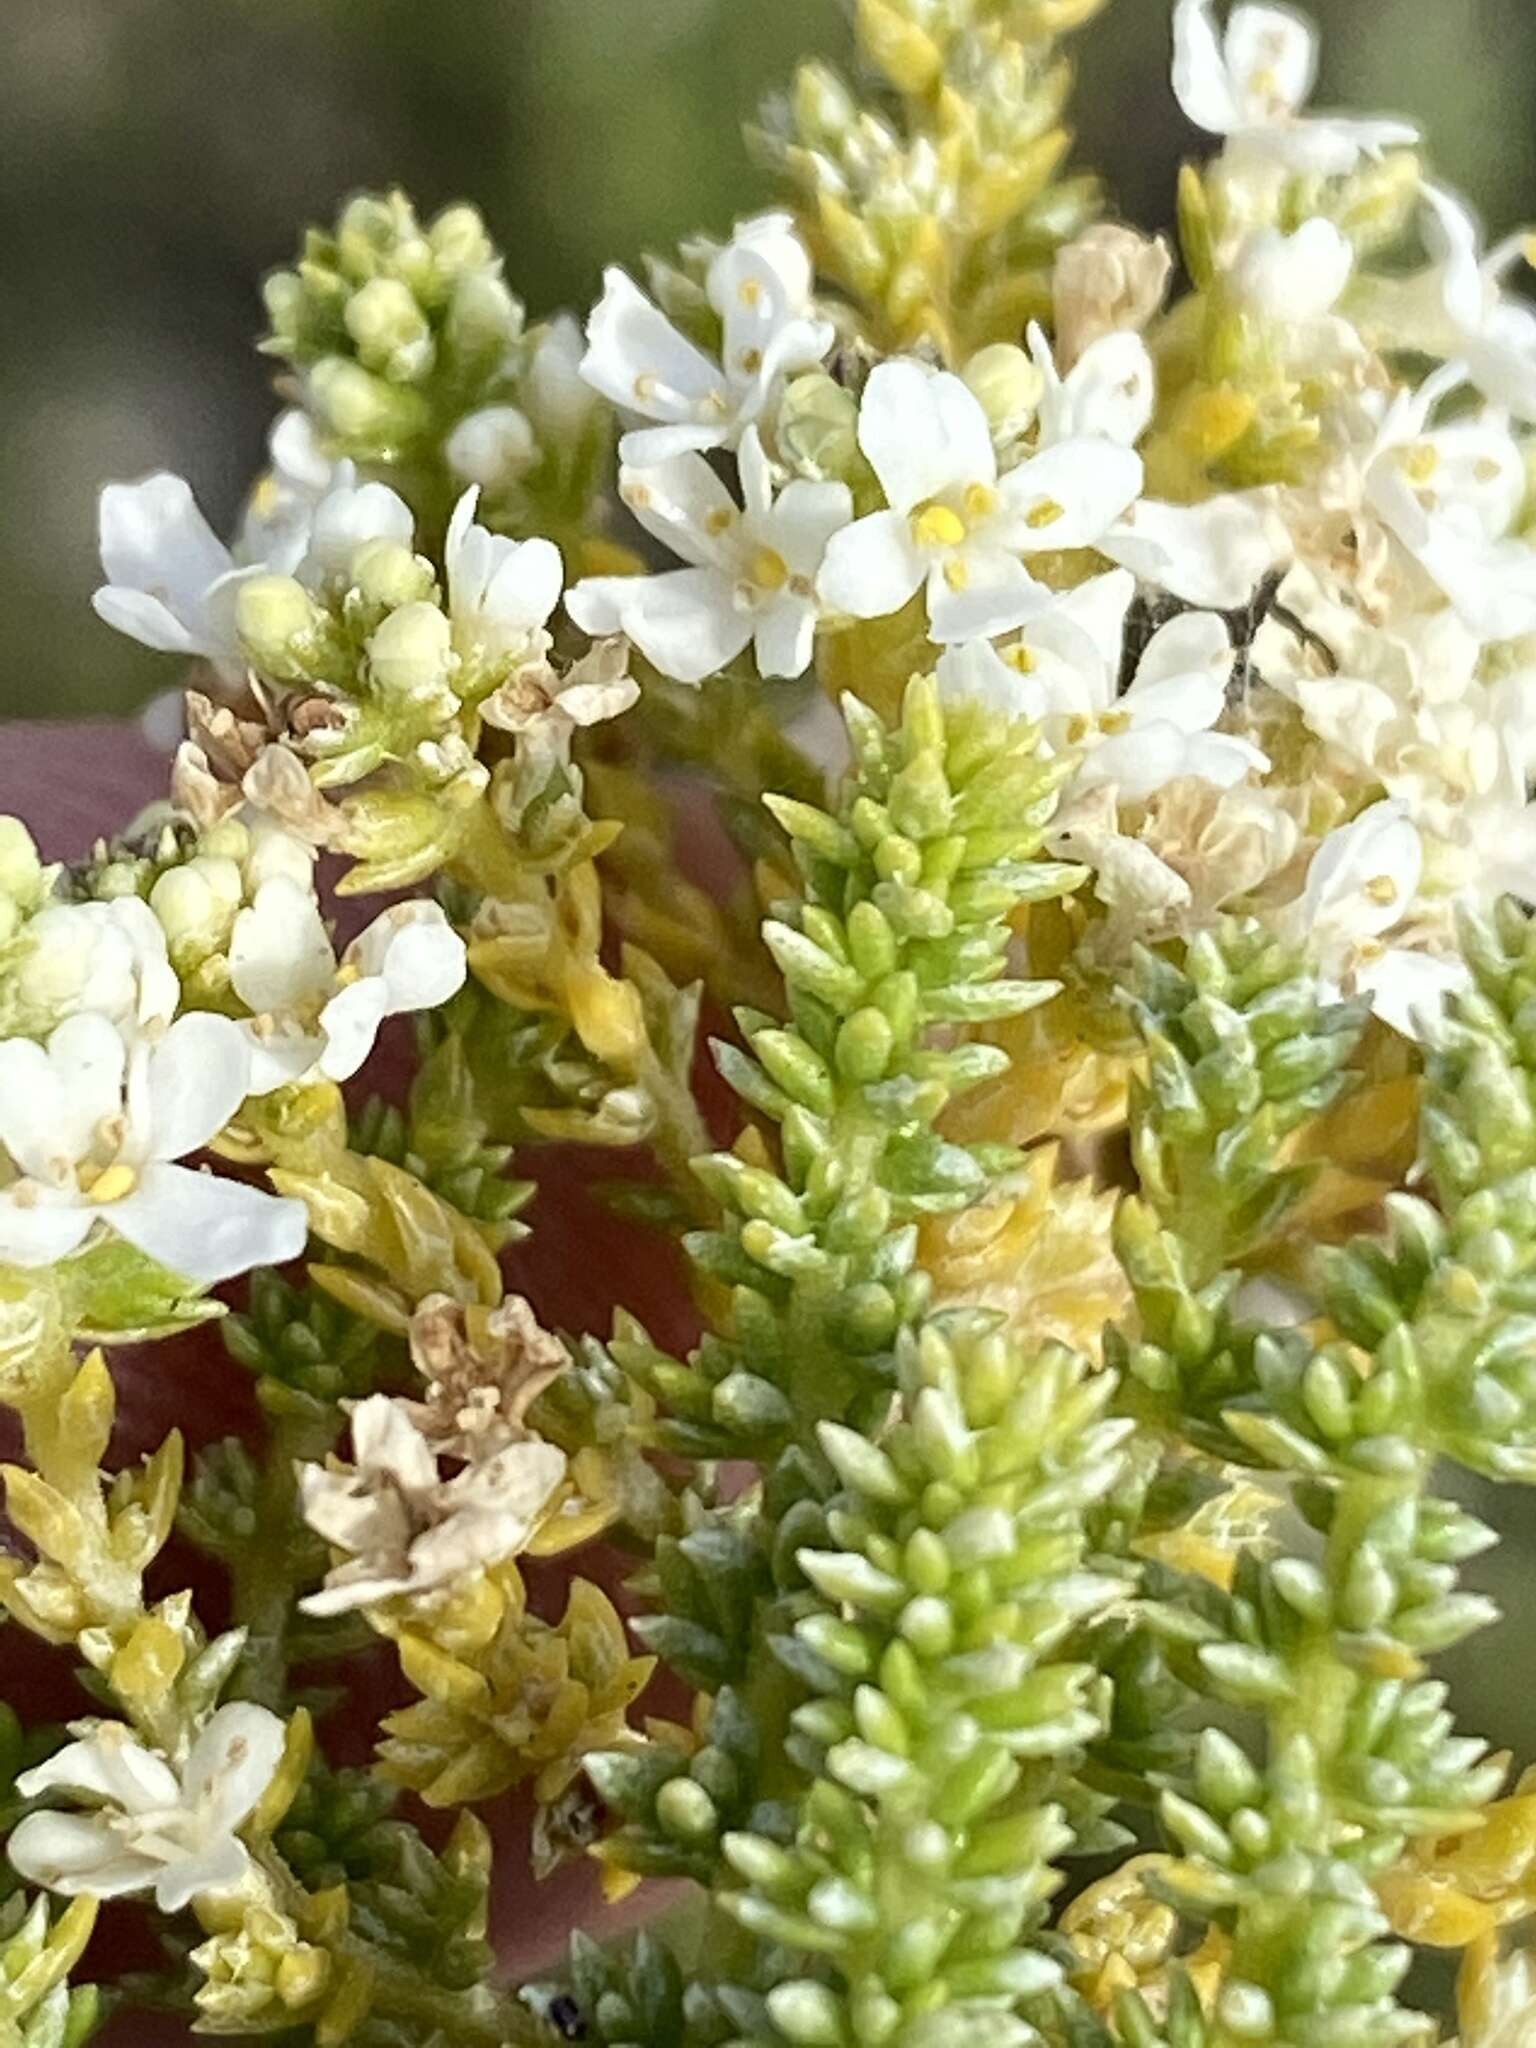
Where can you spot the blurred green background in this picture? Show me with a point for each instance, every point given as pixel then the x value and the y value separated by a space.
pixel 157 156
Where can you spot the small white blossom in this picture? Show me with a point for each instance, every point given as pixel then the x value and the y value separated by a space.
pixel 171 582
pixel 1450 496
pixel 1109 391
pixel 275 528
pixel 760 286
pixel 501 592
pixel 1250 84
pixel 160 1827
pixel 1361 885
pixel 94 1128
pixel 1064 672
pixel 311 1015
pixel 752 574
pixel 953 522
pixel 1295 278
pixel 344 520
pixel 109 957
pixel 1493 334
pixel 404 1528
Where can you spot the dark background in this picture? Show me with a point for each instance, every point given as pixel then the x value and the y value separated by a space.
pixel 157 156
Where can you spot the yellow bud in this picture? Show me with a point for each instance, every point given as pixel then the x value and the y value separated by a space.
pixel 149 1662
pixel 271 614
pixel 21 870
pixel 894 44
pixel 1212 419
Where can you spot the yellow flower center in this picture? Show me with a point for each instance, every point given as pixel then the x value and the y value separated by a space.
pixel 112 1183
pixel 768 569
pixel 938 526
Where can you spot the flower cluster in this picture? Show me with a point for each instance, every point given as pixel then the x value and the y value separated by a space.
pixel 1126 1203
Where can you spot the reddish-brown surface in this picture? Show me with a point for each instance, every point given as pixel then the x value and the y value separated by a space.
pixel 70 782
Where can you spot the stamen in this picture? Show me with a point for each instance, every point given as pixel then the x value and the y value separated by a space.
pixel 112 1183
pixel 938 526
pixel 1381 889
pixel 1046 513
pixel 768 569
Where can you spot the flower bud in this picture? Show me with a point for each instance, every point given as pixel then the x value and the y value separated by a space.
pixel 492 447
pixel 459 242
pixel 412 652
pixel 21 870
pixel 386 573
pixel 362 408
pixel 484 318
pixel 559 399
pixel 196 907
pixel 1007 385
pixel 818 427
pixel 390 330
pixel 274 854
pixel 272 613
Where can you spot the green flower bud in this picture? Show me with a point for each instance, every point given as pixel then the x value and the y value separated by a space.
pixel 363 409
pixel 390 330
pixel 818 428
pixel 272 613
pixel 386 573
pixel 411 655
pixel 1007 386
pixel 21 870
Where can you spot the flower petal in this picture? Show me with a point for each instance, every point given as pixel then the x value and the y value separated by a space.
pixel 785 638
pixel 232 1763
pixel 872 567
pixel 1067 496
pixel 924 433
pixel 1214 554
pixel 109 1764
pixel 43 1231
pixel 686 622
pixel 685 505
pixel 153 538
pixel 1200 81
pixel 1194 643
pixel 197 1077
pixel 77 1854
pixel 204 1227
pixel 218 1868
pixel 982 592
pixel 280 956
pixel 639 360
pixel 1271 60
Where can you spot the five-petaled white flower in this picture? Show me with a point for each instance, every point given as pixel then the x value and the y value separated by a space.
pixel 311 1015
pixel 160 1827
pixel 1493 334
pixel 171 582
pixel 500 595
pixel 94 1127
pixel 752 575
pixel 402 1526
pixel 1451 496
pixel 953 522
pixel 1064 672
pixel 1251 83
pixel 1361 885
pixel 760 286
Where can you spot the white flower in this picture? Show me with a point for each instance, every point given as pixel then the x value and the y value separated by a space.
pixel 311 1016
pixel 344 520
pixel 1362 884
pixel 173 1830
pixel 94 1127
pixel 760 285
pixel 171 582
pixel 545 704
pixel 1494 335
pixel 1250 85
pixel 1214 554
pixel 275 528
pixel 500 592
pixel 752 575
pixel 109 957
pixel 1451 496
pixel 953 522
pixel 1294 278
pixel 1110 390
pixel 405 1528
pixel 1064 672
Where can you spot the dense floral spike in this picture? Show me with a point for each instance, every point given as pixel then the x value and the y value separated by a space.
pixel 940 219
pixel 951 1699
